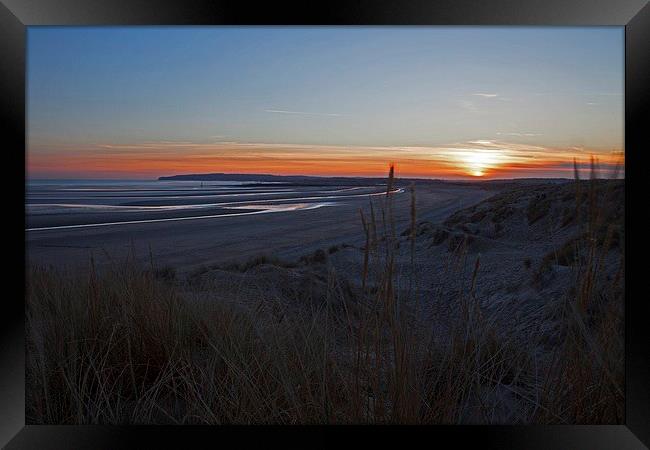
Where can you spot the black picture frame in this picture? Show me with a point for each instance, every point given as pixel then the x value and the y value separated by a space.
pixel 634 15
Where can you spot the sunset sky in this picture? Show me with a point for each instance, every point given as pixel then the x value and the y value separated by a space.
pixel 440 102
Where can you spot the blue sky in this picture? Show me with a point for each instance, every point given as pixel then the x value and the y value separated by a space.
pixel 328 86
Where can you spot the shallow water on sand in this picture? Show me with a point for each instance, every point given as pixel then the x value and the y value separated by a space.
pixel 60 204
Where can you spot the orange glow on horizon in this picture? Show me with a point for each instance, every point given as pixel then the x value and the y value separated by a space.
pixel 478 159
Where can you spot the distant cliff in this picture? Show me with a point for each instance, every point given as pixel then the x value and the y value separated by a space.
pixel 233 177
pixel 266 178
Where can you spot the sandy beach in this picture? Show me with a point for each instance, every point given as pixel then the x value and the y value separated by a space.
pixel 186 244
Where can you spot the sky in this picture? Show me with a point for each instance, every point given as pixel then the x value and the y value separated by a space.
pixel 439 102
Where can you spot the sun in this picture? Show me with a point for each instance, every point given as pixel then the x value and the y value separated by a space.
pixel 478 162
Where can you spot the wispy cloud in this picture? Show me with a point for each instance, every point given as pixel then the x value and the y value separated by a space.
pixel 606 94
pixel 484 95
pixel 302 113
pixel 519 134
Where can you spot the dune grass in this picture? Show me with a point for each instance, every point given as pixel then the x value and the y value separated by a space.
pixel 125 346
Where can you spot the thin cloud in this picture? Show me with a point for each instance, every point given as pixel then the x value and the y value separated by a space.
pixel 606 94
pixel 484 95
pixel 303 113
pixel 519 134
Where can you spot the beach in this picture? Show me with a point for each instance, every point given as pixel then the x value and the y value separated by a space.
pixel 304 219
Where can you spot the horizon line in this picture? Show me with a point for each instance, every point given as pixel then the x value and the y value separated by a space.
pixel 468 178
